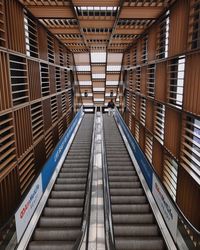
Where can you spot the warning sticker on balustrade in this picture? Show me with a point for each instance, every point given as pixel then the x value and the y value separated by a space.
pixel 166 208
pixel 27 208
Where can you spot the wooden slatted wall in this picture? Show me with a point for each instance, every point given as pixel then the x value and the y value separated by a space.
pixel 35 100
pixel 169 82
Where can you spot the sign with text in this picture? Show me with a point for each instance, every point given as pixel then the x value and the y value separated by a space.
pixel 166 208
pixel 27 208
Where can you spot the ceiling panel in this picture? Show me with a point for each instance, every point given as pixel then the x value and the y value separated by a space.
pixel 100 26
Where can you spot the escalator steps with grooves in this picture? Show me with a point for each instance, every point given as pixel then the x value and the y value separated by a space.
pixel 60 223
pixel 134 225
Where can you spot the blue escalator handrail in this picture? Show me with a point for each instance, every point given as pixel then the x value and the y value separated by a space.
pixel 132 143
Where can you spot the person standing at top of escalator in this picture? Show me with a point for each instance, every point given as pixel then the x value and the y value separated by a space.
pixel 111 107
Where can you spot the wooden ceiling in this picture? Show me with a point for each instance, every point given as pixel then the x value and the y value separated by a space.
pixel 84 25
pixel 108 27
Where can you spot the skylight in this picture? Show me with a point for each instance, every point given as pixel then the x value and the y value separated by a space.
pixel 108 94
pixel 111 82
pixel 88 94
pixel 98 99
pixel 113 67
pixel 98 89
pixel 85 83
pixel 98 57
pixel 83 68
pixel 98 76
pixel 98 8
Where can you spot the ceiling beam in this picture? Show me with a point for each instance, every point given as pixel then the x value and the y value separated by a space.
pixel 65 40
pixel 140 12
pixel 64 30
pixel 129 31
pixel 97 36
pixel 96 24
pixel 48 12
pixel 119 41
pixel 105 3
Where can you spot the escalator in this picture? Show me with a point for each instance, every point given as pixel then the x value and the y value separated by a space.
pixel 133 222
pixel 60 224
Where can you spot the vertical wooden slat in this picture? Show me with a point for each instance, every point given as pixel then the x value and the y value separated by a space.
pixel 191 101
pixel 47 113
pixel 172 131
pixel 23 136
pixel 42 39
pixel 158 157
pixel 161 82
pixel 52 76
pixel 5 96
pixel 9 194
pixel 15 26
pixel 178 15
pixel 34 80
pixel 143 80
pixel 40 155
pixel 3 33
pixel 188 197
pixel 152 36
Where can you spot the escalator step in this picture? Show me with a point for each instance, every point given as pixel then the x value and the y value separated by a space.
pixel 133 219
pixel 51 245
pixel 74 170
pixel 72 175
pixel 71 180
pixel 56 234
pixel 136 243
pixel 121 173
pixel 67 194
pixel 116 163
pixel 128 199
pixel 123 178
pixel 59 222
pixel 69 187
pixel 75 165
pixel 126 191
pixel 62 212
pixel 65 202
pixel 133 208
pixel 134 184
pixel 136 230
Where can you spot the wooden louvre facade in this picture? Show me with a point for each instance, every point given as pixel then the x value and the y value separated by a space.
pixel 56 55
pixel 161 77
pixel 36 100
